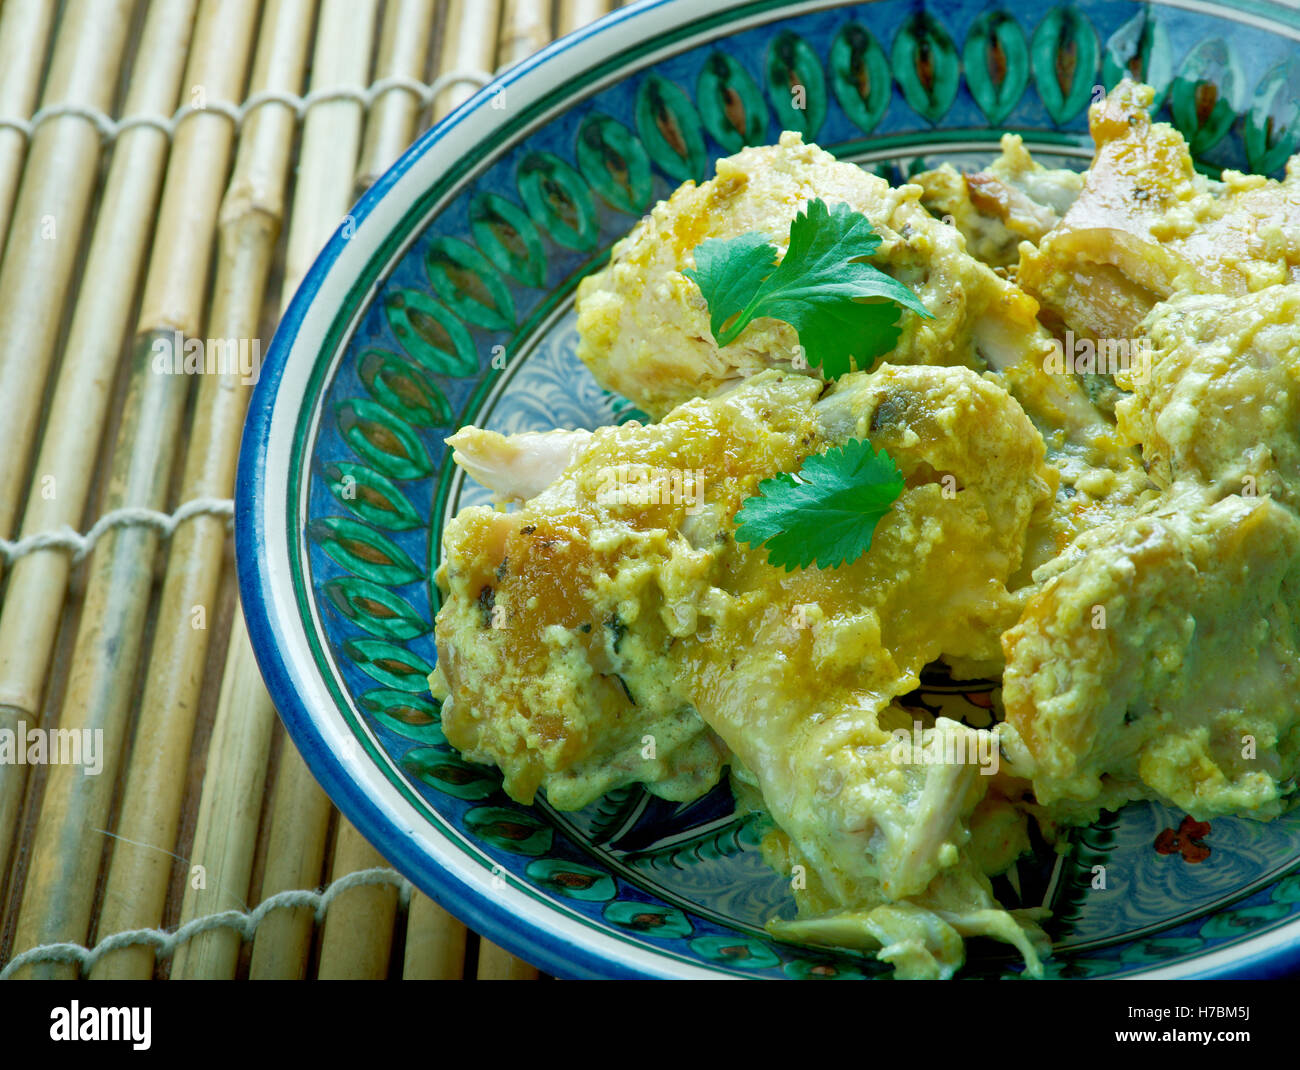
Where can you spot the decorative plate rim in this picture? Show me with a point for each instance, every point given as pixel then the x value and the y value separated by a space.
pixel 436 864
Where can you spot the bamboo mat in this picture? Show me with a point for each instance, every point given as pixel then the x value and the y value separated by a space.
pixel 175 165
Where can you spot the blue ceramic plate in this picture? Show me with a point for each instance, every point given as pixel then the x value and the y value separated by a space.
pixel 448 299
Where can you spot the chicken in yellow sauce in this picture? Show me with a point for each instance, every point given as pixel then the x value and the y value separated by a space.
pixel 1120 547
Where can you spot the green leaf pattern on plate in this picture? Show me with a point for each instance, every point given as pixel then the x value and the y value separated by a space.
pixel 403 389
pixel 412 716
pixel 370 496
pixel 363 550
pixel 393 666
pixel 375 608
pixel 383 440
pixel 558 200
pixel 796 85
pixel 466 280
pixel 448 772
pixel 1140 49
pixel 614 162
pixel 860 76
pixel 670 129
pixel 731 105
pixel 652 919
pixel 1065 52
pixel 926 65
pixel 996 59
pixel 516 831
pixel 571 879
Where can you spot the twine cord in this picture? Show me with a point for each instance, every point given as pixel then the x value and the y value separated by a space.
pixel 110 129
pixel 64 538
pixel 165 943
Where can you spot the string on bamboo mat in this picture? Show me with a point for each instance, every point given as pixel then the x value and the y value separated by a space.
pixel 111 129
pixel 165 943
pixel 64 538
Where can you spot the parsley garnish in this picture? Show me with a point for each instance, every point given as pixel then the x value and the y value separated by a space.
pixel 827 513
pixel 817 288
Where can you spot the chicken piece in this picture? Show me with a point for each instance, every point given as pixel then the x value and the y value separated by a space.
pixel 923 938
pixel 554 635
pixel 711 635
pixel 1146 226
pixel 516 467
pixel 871 827
pixel 644 325
pixel 1016 199
pixel 1161 659
pixel 1219 405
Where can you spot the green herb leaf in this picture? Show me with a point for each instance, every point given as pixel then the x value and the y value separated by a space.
pixel 842 307
pixel 827 513
pixel 735 269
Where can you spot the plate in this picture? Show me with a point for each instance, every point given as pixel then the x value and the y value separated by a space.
pixel 446 298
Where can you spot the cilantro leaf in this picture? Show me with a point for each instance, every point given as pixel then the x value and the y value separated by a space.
pixel 827 513
pixel 734 269
pixel 818 288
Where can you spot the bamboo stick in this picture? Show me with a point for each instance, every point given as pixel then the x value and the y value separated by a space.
pixel 65 855
pixel 494 964
pixel 525 28
pixel 229 809
pixel 24 31
pixel 50 213
pixel 136 890
pixel 357 939
pixel 403 48
pixel 435 943
pixel 574 14
pixel 469 42
pixel 330 142
pixel 29 620
pixel 295 857
pixel 331 134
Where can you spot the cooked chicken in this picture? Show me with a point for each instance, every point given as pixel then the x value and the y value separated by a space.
pixel 1162 660
pixel 557 619
pixel 1015 199
pixel 1146 226
pixel 645 326
pixel 1160 656
pixel 516 467
pixel 1220 404
pixel 1136 580
pixel 592 587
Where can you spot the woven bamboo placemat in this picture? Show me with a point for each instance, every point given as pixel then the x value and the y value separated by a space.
pixel 165 166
